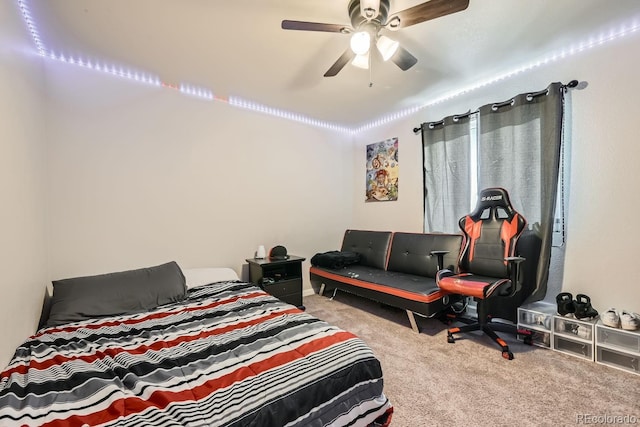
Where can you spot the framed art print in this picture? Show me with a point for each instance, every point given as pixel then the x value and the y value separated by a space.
pixel 382 171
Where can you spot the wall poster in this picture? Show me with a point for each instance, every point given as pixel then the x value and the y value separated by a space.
pixel 382 171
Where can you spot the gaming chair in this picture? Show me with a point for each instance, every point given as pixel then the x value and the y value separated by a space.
pixel 488 267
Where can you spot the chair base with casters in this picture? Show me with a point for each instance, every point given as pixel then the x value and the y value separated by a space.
pixel 488 327
pixel 481 288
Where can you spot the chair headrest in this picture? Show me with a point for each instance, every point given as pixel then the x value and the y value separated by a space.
pixel 493 198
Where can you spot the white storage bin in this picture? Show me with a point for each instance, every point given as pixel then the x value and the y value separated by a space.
pixel 573 347
pixel 538 338
pixel 618 348
pixel 536 319
pixel 574 337
pixel 573 328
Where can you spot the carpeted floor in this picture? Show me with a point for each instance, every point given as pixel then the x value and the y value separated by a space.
pixel 433 383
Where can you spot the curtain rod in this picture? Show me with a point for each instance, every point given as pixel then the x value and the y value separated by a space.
pixel 570 85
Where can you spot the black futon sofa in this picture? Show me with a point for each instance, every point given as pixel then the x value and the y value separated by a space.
pixel 396 269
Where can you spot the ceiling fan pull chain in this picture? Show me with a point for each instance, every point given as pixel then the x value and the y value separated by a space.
pixel 370 71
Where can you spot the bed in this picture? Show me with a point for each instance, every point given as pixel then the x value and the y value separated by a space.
pixel 224 353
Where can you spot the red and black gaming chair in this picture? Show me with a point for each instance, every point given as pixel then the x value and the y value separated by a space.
pixel 488 269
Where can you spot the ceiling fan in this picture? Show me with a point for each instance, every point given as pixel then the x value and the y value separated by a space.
pixel 369 19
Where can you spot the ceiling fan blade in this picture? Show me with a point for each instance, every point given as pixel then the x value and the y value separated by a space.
pixel 427 11
pixel 403 59
pixel 314 26
pixel 344 59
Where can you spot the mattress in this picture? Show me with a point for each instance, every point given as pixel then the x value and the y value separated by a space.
pixel 228 355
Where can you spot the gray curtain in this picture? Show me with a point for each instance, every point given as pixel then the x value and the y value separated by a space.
pixel 519 149
pixel 446 157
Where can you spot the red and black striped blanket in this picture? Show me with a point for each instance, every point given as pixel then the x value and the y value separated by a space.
pixel 229 355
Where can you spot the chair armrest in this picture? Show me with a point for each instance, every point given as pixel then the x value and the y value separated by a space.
pixel 515 272
pixel 440 255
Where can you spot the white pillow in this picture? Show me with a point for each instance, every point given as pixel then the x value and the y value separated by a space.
pixel 203 276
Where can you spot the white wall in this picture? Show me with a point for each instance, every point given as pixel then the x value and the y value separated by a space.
pixel 22 171
pixel 601 250
pixel 141 175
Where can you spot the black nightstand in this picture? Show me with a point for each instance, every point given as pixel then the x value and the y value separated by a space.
pixel 282 278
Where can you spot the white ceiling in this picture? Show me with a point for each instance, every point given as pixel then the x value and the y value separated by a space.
pixel 237 48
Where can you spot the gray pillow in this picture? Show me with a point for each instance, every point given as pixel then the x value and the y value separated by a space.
pixel 111 294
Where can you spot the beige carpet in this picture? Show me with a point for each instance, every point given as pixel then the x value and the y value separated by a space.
pixel 433 383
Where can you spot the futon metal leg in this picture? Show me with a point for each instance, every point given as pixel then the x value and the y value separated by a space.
pixel 323 287
pixel 412 320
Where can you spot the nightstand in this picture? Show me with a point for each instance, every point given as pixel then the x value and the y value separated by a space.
pixel 282 278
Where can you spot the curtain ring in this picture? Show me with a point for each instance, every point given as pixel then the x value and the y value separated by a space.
pixel 434 124
pixel 530 96
pixel 457 117
pixel 497 105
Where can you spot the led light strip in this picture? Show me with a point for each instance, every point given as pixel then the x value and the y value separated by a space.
pixel 622 31
pixel 260 108
pixel 197 92
pixel 207 94
pixel 26 15
pixel 103 67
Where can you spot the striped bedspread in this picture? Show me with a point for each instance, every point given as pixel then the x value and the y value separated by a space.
pixel 229 355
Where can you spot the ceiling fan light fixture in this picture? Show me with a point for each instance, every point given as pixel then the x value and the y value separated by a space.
pixel 361 61
pixel 370 17
pixel 360 42
pixel 387 47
